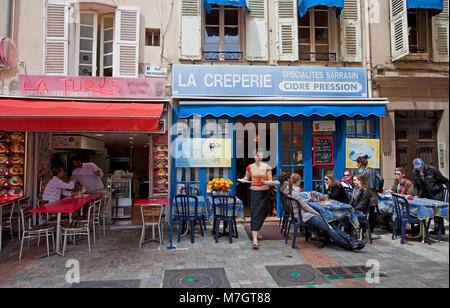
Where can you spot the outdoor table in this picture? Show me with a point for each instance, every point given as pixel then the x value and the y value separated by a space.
pixel 239 212
pixel 66 206
pixel 333 210
pixel 420 208
pixel 3 202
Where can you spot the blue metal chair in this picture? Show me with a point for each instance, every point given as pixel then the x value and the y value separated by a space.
pixel 348 192
pixel 403 213
pixel 190 191
pixel 221 209
pixel 298 223
pixel 193 191
pixel 183 210
pixel 284 219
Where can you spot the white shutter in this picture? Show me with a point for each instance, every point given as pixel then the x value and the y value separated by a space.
pixel 399 29
pixel 287 12
pixel 190 30
pixel 56 38
pixel 126 42
pixel 440 35
pixel 351 47
pixel 257 35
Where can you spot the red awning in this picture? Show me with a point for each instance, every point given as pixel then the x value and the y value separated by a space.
pixel 48 115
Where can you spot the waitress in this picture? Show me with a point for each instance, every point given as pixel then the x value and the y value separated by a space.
pixel 258 173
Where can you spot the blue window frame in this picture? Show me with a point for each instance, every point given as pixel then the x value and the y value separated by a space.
pixel 293 148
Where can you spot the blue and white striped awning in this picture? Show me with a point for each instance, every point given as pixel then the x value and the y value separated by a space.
pixel 304 5
pixel 208 4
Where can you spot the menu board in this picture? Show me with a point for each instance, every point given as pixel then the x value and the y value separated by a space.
pixel 323 154
pixel 160 164
pixel 12 162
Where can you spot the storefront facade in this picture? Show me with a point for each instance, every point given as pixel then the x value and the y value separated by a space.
pixel 309 120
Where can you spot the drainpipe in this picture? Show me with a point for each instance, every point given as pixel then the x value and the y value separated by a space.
pixel 368 46
pixel 8 18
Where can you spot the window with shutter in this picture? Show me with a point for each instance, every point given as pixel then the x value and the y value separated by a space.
pixel 190 30
pixel 257 35
pixel 351 47
pixel 287 30
pixel 314 40
pixel 56 38
pixel 126 47
pixel 399 29
pixel 440 35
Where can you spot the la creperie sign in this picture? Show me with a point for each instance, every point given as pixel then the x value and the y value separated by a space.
pixel 106 87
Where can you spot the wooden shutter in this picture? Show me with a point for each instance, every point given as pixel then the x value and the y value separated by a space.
pixel 126 42
pixel 399 29
pixel 56 38
pixel 287 12
pixel 257 35
pixel 190 30
pixel 351 47
pixel 440 35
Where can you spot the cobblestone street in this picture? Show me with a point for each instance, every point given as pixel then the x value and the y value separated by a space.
pixel 117 257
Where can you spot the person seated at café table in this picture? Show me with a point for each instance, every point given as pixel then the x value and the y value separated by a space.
pixel 87 174
pixel 360 200
pixel 334 189
pixel 347 180
pixel 402 185
pixel 313 219
pixel 57 187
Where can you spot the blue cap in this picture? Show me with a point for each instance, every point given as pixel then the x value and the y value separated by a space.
pixel 417 163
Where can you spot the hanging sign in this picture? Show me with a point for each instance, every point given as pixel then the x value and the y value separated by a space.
pixel 324 126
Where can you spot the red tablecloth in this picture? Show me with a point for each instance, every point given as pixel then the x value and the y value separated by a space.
pixel 67 205
pixel 142 202
pixel 4 200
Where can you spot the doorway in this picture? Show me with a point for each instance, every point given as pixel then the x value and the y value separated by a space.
pixel 246 159
pixel 415 136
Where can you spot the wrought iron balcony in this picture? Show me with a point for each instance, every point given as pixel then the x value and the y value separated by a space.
pixel 223 55
pixel 317 56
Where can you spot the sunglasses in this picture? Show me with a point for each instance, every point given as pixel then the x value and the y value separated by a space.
pixel 397 173
pixel 326 180
pixel 347 175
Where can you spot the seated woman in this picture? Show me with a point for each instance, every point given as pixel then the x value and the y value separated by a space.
pixel 57 187
pixel 360 199
pixel 334 189
pixel 347 180
pixel 402 186
pixel 313 219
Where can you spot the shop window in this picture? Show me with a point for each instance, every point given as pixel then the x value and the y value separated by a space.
pixel 96 40
pixel 361 129
pixel 152 37
pixel 188 177
pixel 418 31
pixel 222 35
pixel 292 148
pixel 315 35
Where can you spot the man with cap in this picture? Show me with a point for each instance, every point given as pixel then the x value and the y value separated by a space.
pixel 428 183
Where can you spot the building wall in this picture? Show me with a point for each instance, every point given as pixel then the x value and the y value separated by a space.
pixel 409 85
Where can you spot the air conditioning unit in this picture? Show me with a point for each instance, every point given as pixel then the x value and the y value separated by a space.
pixel 8 53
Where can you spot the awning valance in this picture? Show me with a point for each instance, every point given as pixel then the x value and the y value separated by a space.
pixel 304 5
pixel 185 111
pixel 435 6
pixel 208 3
pixel 50 115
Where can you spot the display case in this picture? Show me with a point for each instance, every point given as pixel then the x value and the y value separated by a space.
pixel 12 164
pixel 123 198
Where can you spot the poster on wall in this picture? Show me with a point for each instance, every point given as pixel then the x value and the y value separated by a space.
pixel 323 153
pixel 360 147
pixel 202 152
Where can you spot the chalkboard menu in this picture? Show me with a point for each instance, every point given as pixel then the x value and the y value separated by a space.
pixel 323 154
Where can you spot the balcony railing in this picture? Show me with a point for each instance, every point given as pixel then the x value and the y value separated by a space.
pixel 223 55
pixel 317 56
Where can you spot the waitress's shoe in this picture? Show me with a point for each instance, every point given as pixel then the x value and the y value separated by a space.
pixel 255 246
pixel 260 237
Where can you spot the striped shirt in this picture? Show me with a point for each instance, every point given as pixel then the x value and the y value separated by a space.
pixel 55 188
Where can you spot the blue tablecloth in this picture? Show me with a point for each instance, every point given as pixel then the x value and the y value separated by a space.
pixel 333 210
pixel 420 208
pixel 239 209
